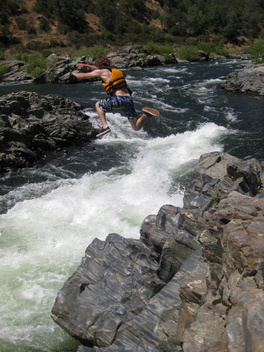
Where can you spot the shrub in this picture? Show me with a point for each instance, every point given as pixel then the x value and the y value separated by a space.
pixel 37 45
pixel 21 23
pixel 158 49
pixel 44 25
pixel 37 71
pixel 256 51
pixel 2 55
pixel 35 64
pixel 31 30
pixel 209 47
pixel 188 52
pixel 93 52
pixel 46 52
pixel 3 69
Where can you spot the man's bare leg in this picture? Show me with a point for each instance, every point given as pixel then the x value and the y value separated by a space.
pixel 101 115
pixel 137 123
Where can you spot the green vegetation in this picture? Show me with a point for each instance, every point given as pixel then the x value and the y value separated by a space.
pixel 3 69
pixel 158 49
pixel 8 8
pixel 70 14
pixel 35 64
pixel 122 22
pixel 188 52
pixel 209 48
pixel 93 52
pixel 129 20
pixel 257 51
pixel 2 55
pixel 192 52
pixel 227 18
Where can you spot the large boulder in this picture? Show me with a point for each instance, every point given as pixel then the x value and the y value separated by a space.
pixel 33 126
pixel 248 80
pixel 121 295
pixel 193 281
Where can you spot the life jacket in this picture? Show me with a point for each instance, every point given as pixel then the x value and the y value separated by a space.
pixel 117 81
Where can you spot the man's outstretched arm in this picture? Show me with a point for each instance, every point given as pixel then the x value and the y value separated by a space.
pixel 84 75
pixel 91 67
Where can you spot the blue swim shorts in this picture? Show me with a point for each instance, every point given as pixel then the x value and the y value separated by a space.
pixel 122 104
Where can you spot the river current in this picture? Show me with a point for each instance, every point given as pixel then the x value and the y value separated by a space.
pixel 50 213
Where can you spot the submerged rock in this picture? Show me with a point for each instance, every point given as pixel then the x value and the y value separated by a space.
pixel 33 126
pixel 193 281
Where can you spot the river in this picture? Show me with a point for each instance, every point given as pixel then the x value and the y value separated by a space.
pixel 50 213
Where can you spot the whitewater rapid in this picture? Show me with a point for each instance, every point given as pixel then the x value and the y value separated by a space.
pixel 44 238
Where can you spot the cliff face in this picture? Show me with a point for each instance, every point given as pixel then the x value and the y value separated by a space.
pixel 194 280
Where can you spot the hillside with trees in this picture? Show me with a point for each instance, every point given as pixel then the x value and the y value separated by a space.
pixel 39 24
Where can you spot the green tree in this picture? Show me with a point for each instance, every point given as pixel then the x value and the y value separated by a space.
pixel 256 51
pixel 71 14
pixel 231 30
pixel 195 20
pixel 9 8
pixel 44 24
pixel 252 19
pixel 133 8
pixel 109 14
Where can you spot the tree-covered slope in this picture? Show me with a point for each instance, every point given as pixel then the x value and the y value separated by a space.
pixel 87 22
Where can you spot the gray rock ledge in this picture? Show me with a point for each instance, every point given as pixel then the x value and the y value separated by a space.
pixel 194 280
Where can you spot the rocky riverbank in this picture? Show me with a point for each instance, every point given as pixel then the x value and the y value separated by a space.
pixel 193 281
pixel 59 68
pixel 33 126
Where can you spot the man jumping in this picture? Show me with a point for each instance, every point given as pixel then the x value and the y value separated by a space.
pixel 119 95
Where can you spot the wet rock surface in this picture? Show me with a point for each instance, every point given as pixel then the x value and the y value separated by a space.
pixel 192 282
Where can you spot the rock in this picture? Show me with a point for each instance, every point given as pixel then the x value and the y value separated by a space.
pixel 17 71
pixel 59 70
pixel 245 322
pixel 34 126
pixel 193 281
pixel 216 175
pixel 207 333
pixel 139 59
pixel 248 80
pixel 108 293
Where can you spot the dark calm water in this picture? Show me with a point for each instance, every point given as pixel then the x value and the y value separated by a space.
pixel 50 213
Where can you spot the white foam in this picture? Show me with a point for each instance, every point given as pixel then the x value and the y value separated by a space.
pixel 213 81
pixel 102 202
pixel 231 116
